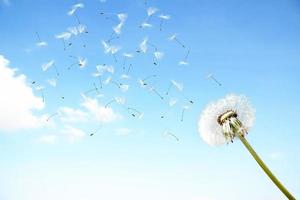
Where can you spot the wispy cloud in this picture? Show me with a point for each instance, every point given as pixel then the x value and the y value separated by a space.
pixel 73 134
pixel 17 101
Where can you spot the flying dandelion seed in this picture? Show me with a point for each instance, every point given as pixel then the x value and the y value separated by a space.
pixel 157 56
pixel 184 61
pixel 40 43
pixel 47 65
pixel 52 82
pixel 172 102
pixel 177 85
pixel 51 116
pixel 168 133
pixel 64 37
pixel 143 45
pixel 126 57
pixel 211 76
pixel 174 38
pixel 118 100
pixel 229 118
pixel 162 19
pixel 96 131
pixel 184 108
pixel 135 113
pixel 75 8
pixel 143 81
pixel 157 93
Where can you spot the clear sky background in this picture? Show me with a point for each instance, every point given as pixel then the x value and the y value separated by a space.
pixel 251 47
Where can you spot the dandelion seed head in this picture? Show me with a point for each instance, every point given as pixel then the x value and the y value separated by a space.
pixel 210 129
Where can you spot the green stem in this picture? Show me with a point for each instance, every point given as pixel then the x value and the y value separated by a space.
pixel 266 169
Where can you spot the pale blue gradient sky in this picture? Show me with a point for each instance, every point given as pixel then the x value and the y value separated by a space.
pixel 252 47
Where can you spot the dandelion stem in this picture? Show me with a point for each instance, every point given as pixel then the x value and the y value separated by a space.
pixel 265 168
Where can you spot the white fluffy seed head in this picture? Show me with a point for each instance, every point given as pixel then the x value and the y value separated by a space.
pixel 209 128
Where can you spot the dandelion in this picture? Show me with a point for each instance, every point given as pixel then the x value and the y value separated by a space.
pixel 162 19
pixel 174 38
pixel 229 118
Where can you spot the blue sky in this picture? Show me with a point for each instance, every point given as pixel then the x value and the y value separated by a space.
pixel 251 47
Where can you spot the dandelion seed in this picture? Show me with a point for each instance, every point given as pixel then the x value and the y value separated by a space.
pixel 74 8
pixel 107 80
pixel 64 36
pixel 171 103
pixel 143 45
pixel 178 86
pixel 183 111
pixel 145 25
pixel 52 82
pixel 125 76
pixel 135 113
pixel 126 56
pixel 101 69
pixel 162 19
pixel 184 61
pixel 40 43
pixel 157 56
pixel 151 11
pixel 118 100
pixel 211 76
pixel 47 65
pixel 124 87
pixel 229 118
pixel 147 78
pixel 168 133
pixel 174 38
pixel 96 131
pixel 157 93
pixel 51 116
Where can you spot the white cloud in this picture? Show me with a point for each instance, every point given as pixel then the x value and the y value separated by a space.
pixel 72 115
pixel 123 131
pixel 48 139
pixel 73 134
pixel 17 101
pixel 101 113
